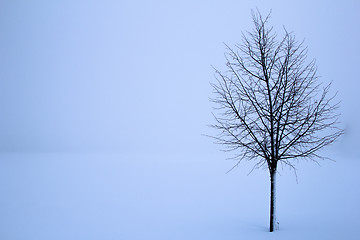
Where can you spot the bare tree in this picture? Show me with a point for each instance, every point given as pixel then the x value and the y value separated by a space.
pixel 270 107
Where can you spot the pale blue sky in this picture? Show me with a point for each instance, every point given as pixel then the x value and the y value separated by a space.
pixel 134 76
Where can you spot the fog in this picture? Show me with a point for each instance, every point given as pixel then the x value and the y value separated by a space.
pixel 128 77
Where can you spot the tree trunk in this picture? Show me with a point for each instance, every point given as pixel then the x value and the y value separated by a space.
pixel 274 225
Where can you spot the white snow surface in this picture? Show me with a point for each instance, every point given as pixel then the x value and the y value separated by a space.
pixel 112 196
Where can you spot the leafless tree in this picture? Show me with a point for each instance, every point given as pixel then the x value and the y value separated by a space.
pixel 269 105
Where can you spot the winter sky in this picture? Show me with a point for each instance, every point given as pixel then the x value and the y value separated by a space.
pixel 133 76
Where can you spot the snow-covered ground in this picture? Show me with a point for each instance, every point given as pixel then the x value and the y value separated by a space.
pixel 103 196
